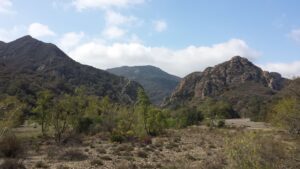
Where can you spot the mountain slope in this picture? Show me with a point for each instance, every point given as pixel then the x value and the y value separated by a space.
pixel 157 83
pixel 28 66
pixel 238 81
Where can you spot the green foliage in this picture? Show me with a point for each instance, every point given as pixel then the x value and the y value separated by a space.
pixel 117 137
pixel 286 114
pixel 62 117
pixel 215 111
pixel 84 125
pixel 142 113
pixel 44 109
pixel 11 112
pixel 156 121
pixel 150 121
pixel 186 116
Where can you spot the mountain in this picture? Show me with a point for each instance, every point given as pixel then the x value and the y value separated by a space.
pixel 157 83
pixel 28 65
pixel 238 81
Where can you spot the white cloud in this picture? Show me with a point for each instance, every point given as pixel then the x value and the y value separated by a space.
pixel 288 70
pixel 160 25
pixel 8 35
pixel 39 30
pixel 5 6
pixel 104 4
pixel 295 35
pixel 113 32
pixel 116 18
pixel 179 62
pixel 70 40
pixel 117 24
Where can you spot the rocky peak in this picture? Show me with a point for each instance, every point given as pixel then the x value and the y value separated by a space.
pixel 213 81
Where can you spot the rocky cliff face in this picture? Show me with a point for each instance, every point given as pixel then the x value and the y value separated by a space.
pixel 28 65
pixel 230 75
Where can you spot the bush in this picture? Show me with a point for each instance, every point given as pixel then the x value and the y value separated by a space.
pixel 187 116
pixel 117 137
pixel 12 164
pixel 10 146
pixel 84 125
pixel 286 114
pixel 74 155
pixel 41 164
pixel 255 151
pixel 96 162
pixel 221 123
pixel 142 154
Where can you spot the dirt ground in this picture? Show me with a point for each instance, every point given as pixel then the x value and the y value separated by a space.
pixel 195 147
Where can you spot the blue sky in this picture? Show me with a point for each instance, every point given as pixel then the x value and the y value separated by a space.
pixel 177 36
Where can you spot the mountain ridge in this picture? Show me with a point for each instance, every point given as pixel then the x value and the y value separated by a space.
pixel 36 65
pixel 157 83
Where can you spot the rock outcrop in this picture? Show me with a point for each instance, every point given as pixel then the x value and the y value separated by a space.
pixel 224 78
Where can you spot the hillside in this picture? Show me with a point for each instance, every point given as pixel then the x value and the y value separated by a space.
pixel 157 83
pixel 29 65
pixel 237 81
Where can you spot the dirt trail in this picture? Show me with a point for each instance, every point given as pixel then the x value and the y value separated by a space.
pixel 248 124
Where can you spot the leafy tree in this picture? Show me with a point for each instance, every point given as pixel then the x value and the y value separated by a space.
pixel 108 115
pixel 156 121
pixel 62 117
pixel 143 104
pixel 44 109
pixel 11 112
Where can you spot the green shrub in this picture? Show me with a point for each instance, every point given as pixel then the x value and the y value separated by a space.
pixel 117 137
pixel 84 125
pixel 186 116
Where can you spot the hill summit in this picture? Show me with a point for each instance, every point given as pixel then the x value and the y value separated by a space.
pixel 29 65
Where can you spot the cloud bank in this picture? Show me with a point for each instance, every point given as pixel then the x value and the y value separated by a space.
pixel 179 62
pixel 289 70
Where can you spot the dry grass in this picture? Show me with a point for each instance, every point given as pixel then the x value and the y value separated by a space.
pixel 196 147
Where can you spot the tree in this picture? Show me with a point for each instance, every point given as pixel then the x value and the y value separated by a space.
pixel 61 118
pixel 156 121
pixel 286 114
pixel 143 104
pixel 108 115
pixel 11 112
pixel 43 109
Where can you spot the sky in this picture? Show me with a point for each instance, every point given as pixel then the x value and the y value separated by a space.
pixel 179 36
